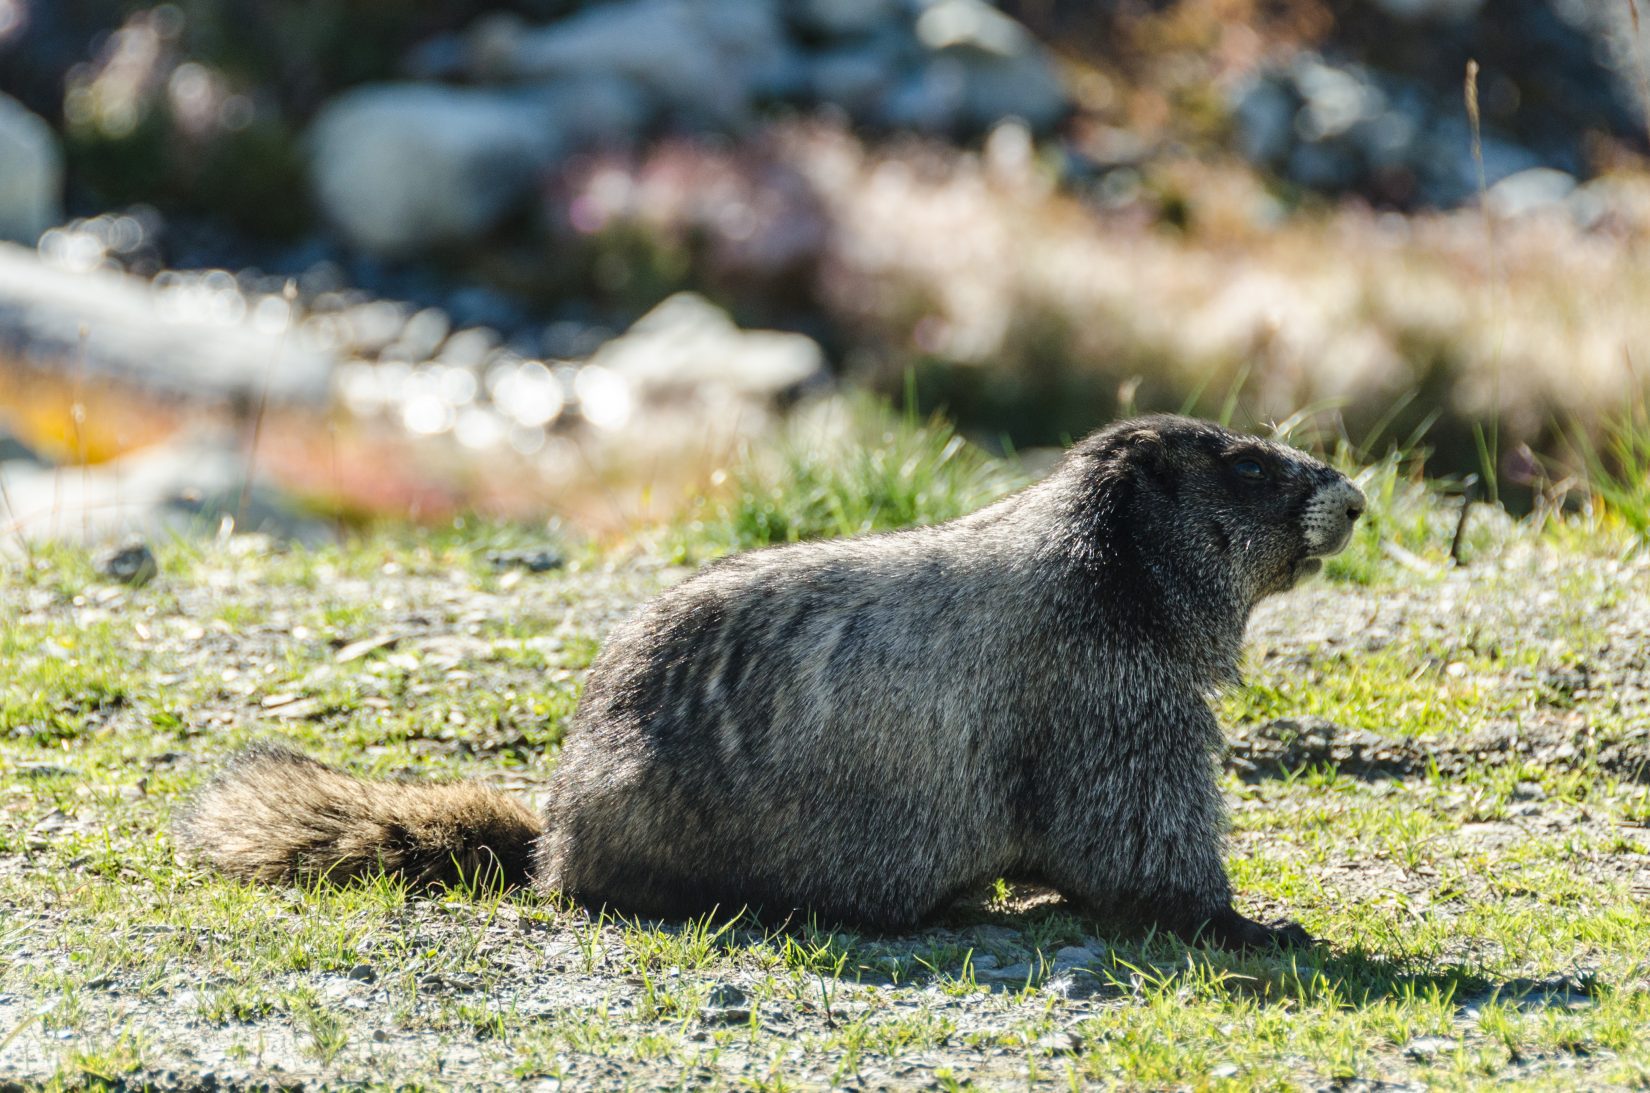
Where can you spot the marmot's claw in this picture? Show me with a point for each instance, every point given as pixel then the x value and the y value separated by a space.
pixel 1291 935
pixel 1231 930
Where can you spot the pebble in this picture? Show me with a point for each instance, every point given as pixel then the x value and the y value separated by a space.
pixel 542 560
pixel 1060 1043
pixel 726 1005
pixel 1072 955
pixel 1014 973
pixel 1423 1048
pixel 131 563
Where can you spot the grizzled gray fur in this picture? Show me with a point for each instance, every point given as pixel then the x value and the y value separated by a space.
pixel 863 729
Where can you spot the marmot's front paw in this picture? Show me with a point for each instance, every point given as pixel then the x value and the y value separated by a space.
pixel 1230 930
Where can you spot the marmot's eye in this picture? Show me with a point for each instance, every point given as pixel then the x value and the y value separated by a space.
pixel 1249 468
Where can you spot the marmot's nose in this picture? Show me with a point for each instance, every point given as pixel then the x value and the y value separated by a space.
pixel 1355 508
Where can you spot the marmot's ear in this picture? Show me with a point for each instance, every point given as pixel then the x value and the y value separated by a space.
pixel 1145 450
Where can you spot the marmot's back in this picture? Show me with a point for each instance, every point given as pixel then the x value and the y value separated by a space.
pixel 777 731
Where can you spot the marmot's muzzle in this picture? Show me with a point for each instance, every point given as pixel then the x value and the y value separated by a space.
pixel 1329 516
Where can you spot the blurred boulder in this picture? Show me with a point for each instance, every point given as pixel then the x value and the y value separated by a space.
pixel 1550 71
pixel 858 77
pixel 702 60
pixel 687 345
pixel 846 18
pixel 403 168
pixel 1382 111
pixel 31 174
pixel 980 67
pixel 180 488
pixel 1349 129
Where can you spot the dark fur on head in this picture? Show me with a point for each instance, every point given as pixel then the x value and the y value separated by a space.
pixel 864 728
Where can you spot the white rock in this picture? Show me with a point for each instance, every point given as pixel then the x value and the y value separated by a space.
pixel 983 67
pixel 401 168
pixel 1530 191
pixel 689 344
pixel 135 333
pixel 31 174
pixel 178 488
pixel 1424 1048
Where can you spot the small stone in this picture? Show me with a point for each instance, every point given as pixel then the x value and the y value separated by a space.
pixel 1072 955
pixel 533 561
pixel 726 1005
pixel 725 994
pixel 133 564
pixel 1424 1048
pixel 44 770
pixel 996 935
pixel 1059 1043
pixel 363 973
pixel 1225 1070
pixel 1015 973
pixel 1074 985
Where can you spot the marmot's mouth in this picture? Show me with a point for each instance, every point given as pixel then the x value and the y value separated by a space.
pixel 1307 567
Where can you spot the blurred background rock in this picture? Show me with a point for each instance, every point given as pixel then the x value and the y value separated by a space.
pixel 562 258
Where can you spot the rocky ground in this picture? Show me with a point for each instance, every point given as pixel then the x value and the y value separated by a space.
pixel 1441 776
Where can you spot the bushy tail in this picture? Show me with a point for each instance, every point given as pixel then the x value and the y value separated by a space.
pixel 279 817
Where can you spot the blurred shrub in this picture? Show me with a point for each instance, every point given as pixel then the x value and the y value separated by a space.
pixel 1032 314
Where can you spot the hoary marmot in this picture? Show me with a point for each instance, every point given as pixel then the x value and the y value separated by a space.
pixel 863 729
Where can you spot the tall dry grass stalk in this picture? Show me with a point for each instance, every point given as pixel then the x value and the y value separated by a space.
pixel 1489 447
pixel 77 431
pixel 290 294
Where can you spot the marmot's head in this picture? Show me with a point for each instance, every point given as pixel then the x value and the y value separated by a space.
pixel 1221 508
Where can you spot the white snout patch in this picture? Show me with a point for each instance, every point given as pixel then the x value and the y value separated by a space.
pixel 1330 513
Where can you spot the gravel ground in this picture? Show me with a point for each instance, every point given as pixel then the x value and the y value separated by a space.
pixel 1476 864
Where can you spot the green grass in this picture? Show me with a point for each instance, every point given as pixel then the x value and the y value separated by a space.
pixel 865 469
pixel 1617 470
pixel 868 468
pixel 1453 911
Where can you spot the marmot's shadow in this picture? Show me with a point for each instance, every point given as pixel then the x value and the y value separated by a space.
pixel 1140 960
